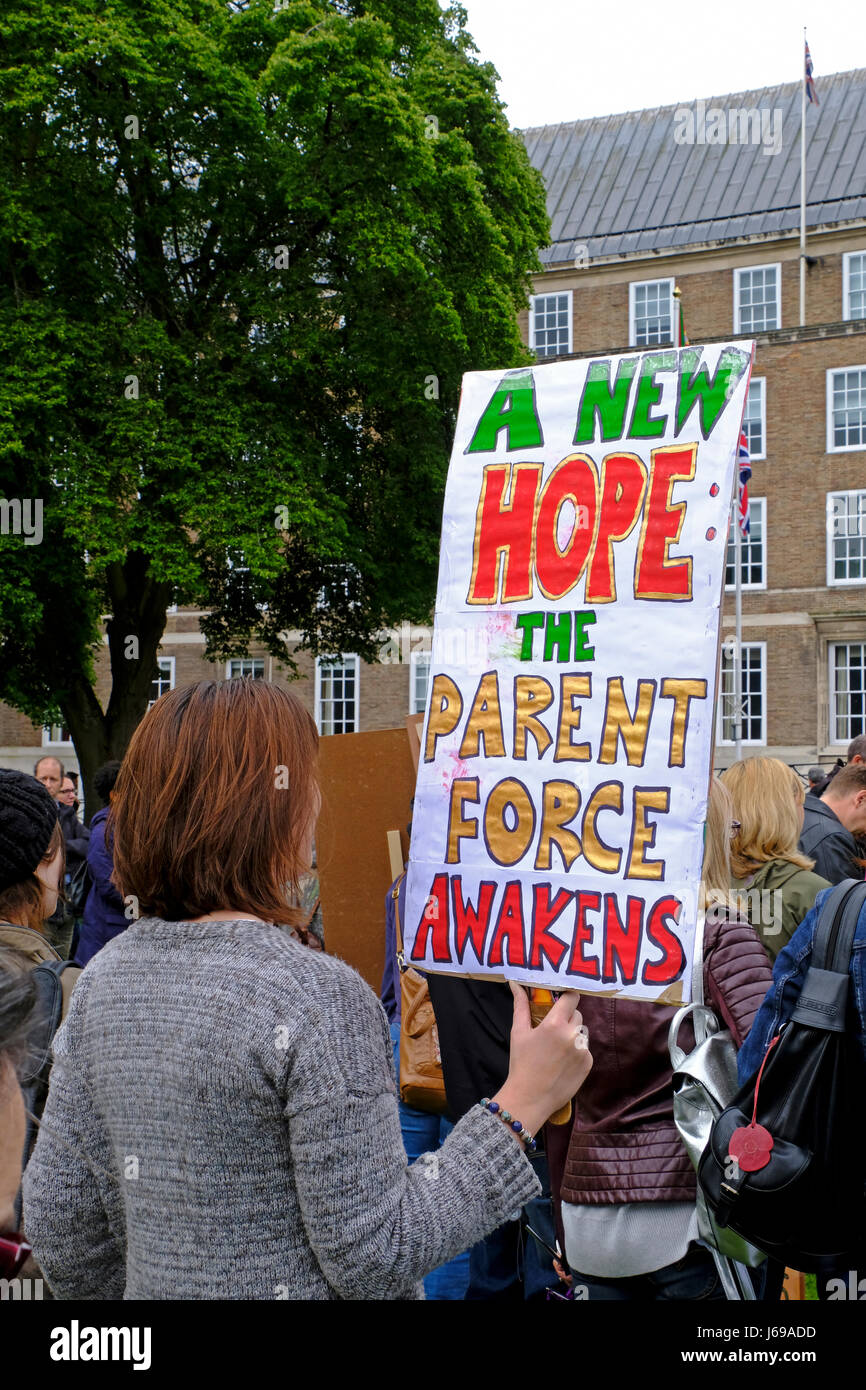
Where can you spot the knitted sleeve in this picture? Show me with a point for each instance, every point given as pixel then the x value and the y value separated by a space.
pixel 72 1211
pixel 376 1224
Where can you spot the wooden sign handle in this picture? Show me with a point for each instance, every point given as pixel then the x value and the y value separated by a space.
pixel 540 1004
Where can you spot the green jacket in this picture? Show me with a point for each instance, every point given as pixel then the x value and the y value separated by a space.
pixel 775 899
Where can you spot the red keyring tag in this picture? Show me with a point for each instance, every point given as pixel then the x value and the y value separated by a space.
pixel 750 1146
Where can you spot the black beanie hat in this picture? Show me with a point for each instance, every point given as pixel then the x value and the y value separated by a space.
pixel 28 815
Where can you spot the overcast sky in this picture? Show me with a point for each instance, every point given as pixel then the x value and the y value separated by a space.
pixel 563 60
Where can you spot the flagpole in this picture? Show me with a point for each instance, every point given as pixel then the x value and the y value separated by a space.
pixel 803 188
pixel 738 622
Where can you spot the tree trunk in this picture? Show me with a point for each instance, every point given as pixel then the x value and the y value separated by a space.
pixel 134 633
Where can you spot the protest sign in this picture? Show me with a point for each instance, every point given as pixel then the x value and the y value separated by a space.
pixel 565 758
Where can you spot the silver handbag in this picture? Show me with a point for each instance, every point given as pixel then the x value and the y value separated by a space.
pixel 705 1082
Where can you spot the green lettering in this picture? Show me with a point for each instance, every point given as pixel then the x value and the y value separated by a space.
pixel 604 402
pixel 713 393
pixel 582 652
pixel 557 634
pixel 528 622
pixel 648 394
pixel 511 408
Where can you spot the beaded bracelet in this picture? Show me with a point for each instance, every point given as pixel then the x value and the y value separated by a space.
pixel 495 1109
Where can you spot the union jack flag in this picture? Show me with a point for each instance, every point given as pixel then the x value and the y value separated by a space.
pixel 810 84
pixel 744 463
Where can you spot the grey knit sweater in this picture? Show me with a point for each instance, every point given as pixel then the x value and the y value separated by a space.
pixel 222 1123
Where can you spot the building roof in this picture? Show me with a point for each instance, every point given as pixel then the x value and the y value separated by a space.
pixel 622 184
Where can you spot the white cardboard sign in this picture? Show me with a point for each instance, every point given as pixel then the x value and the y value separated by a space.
pixel 557 832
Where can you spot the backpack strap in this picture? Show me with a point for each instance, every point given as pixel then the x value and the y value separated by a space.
pixel 823 1001
pixel 49 1009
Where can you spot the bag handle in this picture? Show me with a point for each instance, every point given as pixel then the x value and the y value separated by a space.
pixel 704 1022
pixel 398 929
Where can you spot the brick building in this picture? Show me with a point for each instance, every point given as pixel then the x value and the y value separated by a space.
pixel 707 198
pixel 704 198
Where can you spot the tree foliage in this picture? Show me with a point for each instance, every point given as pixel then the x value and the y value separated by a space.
pixel 246 254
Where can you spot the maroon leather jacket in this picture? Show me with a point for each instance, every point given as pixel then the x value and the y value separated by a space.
pixel 622 1145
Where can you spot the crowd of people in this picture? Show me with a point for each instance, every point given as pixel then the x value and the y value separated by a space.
pixel 212 1073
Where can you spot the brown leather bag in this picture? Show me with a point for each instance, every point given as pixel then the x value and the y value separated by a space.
pixel 421 1082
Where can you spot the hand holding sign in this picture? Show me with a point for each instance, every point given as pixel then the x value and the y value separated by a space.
pixel 547 1066
pixel 540 1003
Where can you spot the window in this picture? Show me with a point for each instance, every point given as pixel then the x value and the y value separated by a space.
pixel 54 735
pixel 755 418
pixel 650 312
pixel 164 681
pixel 757 299
pixel 246 666
pixel 419 681
pixel 846 537
pixel 337 695
pixel 550 324
pixel 854 285
pixel 752 570
pixel 847 691
pixel 846 409
pixel 752 661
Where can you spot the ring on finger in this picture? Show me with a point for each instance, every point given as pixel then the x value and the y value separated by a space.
pixel 581 1037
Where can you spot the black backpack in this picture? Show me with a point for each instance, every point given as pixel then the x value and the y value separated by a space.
pixel 46 1020
pixel 801 1197
pixel 37 1068
pixel 78 889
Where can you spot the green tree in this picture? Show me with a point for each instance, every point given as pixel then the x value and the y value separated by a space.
pixel 246 253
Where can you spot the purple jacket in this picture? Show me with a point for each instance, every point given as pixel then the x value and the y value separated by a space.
pixel 103 916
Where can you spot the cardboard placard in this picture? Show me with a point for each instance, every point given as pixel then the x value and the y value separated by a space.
pixel 565 760
pixel 367 783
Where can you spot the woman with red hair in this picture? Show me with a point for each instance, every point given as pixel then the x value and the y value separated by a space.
pixel 222 1120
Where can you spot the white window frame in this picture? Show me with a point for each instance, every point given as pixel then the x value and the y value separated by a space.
pixel 756 504
pixel 832 581
pixel 746 742
pixel 233 659
pixel 549 294
pixel 833 448
pixel 345 661
pixel 170 662
pixel 846 283
pixel 747 269
pixel 415 660
pixel 635 285
pixel 761 383
pixel 49 742
pixel 833 737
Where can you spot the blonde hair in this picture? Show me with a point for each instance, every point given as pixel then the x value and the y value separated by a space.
pixel 716 879
pixel 767 796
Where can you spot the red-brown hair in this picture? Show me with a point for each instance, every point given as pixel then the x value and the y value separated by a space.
pixel 215 802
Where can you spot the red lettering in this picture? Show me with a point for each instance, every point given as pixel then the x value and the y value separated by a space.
pixel 572 480
pixel 622 942
pixel 579 965
pixel 670 967
pixel 505 528
pixel 434 923
pixel 655 575
pixel 544 913
pixel 469 922
pixel 623 483
pixel 509 928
